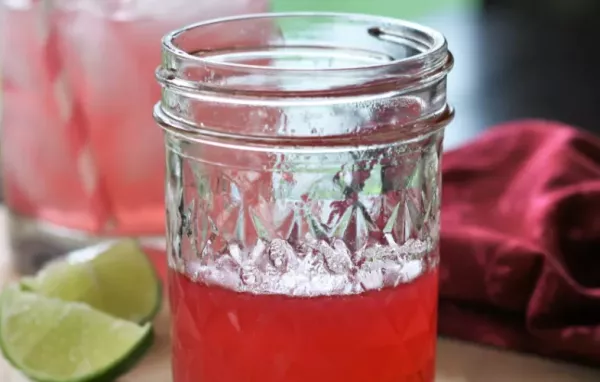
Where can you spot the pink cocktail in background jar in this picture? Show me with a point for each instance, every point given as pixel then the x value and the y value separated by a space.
pixel 81 159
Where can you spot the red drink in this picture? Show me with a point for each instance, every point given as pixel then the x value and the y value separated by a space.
pixel 221 335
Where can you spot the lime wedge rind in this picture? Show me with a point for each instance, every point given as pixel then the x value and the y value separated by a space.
pixel 127 363
pixel 19 312
pixel 110 374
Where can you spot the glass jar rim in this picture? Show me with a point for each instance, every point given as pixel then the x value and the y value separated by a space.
pixel 436 41
pixel 192 75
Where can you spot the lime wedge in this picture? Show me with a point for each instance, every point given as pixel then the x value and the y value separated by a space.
pixel 116 278
pixel 51 340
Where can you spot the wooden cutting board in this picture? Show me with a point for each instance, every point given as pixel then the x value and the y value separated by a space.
pixel 457 361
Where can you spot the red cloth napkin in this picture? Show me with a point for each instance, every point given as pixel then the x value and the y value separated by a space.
pixel 520 244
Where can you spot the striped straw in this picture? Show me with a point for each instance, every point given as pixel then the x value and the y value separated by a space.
pixel 72 117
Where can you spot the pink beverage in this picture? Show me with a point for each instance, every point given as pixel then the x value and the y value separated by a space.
pixel 365 334
pixel 80 158
pixel 303 198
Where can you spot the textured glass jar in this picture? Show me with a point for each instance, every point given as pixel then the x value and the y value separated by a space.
pixel 303 196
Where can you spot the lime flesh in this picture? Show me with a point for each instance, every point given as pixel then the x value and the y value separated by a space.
pixel 51 340
pixel 116 278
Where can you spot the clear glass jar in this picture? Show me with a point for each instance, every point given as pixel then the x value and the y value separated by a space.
pixel 77 85
pixel 303 197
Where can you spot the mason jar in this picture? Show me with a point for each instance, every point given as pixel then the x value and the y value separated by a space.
pixel 78 164
pixel 303 196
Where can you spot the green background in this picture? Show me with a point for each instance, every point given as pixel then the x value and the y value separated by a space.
pixel 392 8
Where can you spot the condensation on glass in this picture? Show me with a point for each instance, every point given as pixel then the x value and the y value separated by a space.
pixel 303 153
